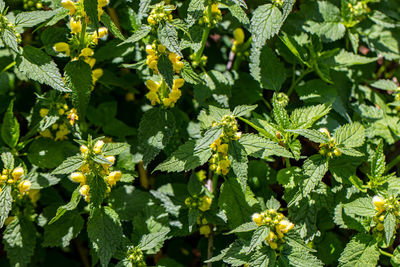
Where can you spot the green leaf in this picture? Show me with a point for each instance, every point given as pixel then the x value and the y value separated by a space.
pixel 299 256
pixel 272 203
pixel 105 233
pixel 385 85
pixel 237 12
pixel 33 18
pixel 246 227
pixel 153 240
pixel 169 38
pixel 194 185
pixel 10 127
pixel 313 135
pixel 362 250
pixel 259 147
pixel 243 110
pixel 378 164
pixel 38 66
pixel 10 39
pixel 350 135
pixel 265 23
pixel 315 167
pixel 258 237
pixel 209 137
pixel 5 204
pixel 78 77
pixel 345 59
pixel 280 114
pixel 98 188
pixel 360 207
pixel 305 117
pixel 155 130
pixel 139 34
pixel 8 160
pixel 19 239
pixel 112 149
pixel 63 231
pixel 233 201
pixel 107 21
pixel 238 158
pixel 185 158
pixel 69 165
pixel 47 153
pixel 71 205
pixel 91 9
pixel 389 226
pixel 194 11
pixel 268 69
pixel 166 70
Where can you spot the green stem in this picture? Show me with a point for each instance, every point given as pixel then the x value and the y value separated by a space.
pixel 83 33
pixel 386 253
pixel 304 73
pixel 9 66
pixel 214 182
pixel 392 163
pixel 287 162
pixel 203 43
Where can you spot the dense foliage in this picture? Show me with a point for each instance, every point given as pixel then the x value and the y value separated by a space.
pixel 199 132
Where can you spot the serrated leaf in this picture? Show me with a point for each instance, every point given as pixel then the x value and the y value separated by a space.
pixel 78 77
pixel 345 58
pixel 33 18
pixel 169 38
pixel 350 135
pixel 166 70
pixel 385 85
pixel 105 233
pixel 360 207
pixel 272 203
pixel 152 240
pixel 378 161
pixel 315 167
pixel 38 66
pixel 237 12
pixel 243 110
pixel 60 233
pixel 5 204
pixel 112 149
pixel 246 227
pixel 362 250
pixel 10 39
pixel 155 130
pixel 390 226
pixel 98 188
pixel 298 256
pixel 350 152
pixel 258 237
pixel 280 114
pixel 107 21
pixel 305 117
pixel 185 158
pixel 71 205
pixel 194 11
pixel 91 9
pixel 313 135
pixel 19 239
pixel 10 127
pixel 8 160
pixel 259 147
pixel 139 34
pixel 238 158
pixel 265 23
pixel 209 137
pixel 69 165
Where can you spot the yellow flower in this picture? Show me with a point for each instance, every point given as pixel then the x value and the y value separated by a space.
pixel 178 83
pixel 153 97
pixel 150 49
pixel 17 173
pixel 99 13
pixel 84 190
pixel 96 74
pixel 98 146
pixel 46 133
pixel 43 112
pixel 103 31
pixel 86 52
pixel 111 159
pixel 215 9
pixel 78 177
pixel 257 218
pixel 174 57
pixel 76 26
pixel 205 203
pixel 175 95
pixel 379 203
pixel 223 149
pixel 62 47
pixel 167 102
pixel 151 20
pixel 161 48
pixel 68 4
pixel 84 149
pixel 205 230
pixel 91 61
pixel 72 116
pixel 84 168
pixel 178 66
pixel 24 186
pixel 152 85
pixel 238 35
pixel 114 177
pixel 61 111
pixel 103 3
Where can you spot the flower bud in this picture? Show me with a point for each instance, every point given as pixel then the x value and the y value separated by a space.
pixel 238 35
pixel 285 226
pixel 78 177
pixel 103 31
pixel 379 203
pixel 98 146
pixel 257 218
pixel 205 230
pixel 205 203
pixel 76 26
pixel 84 190
pixel 86 52
pixel 116 175
pixel 17 173
pixel 24 186
pixel 62 47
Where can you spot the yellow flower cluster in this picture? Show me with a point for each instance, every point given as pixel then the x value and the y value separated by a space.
pixel 205 228
pixel 329 149
pixel 211 15
pixel 32 5
pixel 160 13
pixel 156 94
pixel 202 203
pixel 111 178
pixel 238 37
pixel 59 129
pixel 382 207
pixel 278 226
pixel 359 9
pixel 219 162
pixel 6 25
pixel 135 256
pixel 154 52
pixel 12 177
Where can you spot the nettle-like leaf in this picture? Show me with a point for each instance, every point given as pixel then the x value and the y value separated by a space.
pixel 168 36
pixel 166 70
pixel 78 77
pixel 362 250
pixel 38 66
pixel 238 158
pixel 315 167
pixel 110 25
pixel 33 18
pixel 350 135
pixel 91 9
pixel 155 130
pixel 75 198
pixel 10 127
pixel 5 204
pixel 378 163
pixel 105 233
pixel 138 35
pixel 258 237
pixel 69 165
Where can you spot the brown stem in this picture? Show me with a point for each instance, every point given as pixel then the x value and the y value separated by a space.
pixel 83 252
